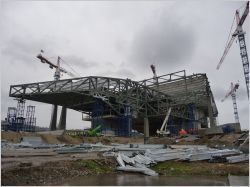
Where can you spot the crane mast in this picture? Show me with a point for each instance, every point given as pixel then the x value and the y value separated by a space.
pixel 244 58
pixel 242 44
pixel 232 92
pixel 57 75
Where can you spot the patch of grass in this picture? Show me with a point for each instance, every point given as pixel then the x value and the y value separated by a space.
pixel 94 166
pixel 175 168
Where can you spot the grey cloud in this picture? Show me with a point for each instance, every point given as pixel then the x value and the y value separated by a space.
pixel 24 50
pixel 244 110
pixel 79 61
pixel 165 42
pixel 220 93
pixel 121 73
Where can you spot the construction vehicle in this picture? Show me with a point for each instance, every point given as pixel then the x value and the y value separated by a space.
pixel 95 131
pixel 232 92
pixel 243 50
pixel 163 131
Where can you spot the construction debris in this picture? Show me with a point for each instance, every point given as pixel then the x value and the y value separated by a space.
pixel 138 158
pixel 239 158
pixel 130 157
pixel 146 171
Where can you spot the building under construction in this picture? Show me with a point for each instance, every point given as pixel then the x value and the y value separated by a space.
pixel 120 105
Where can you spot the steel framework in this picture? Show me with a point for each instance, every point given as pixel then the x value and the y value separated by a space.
pixel 81 93
pixel 143 97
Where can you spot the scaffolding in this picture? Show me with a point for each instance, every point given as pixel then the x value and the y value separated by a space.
pixel 20 108
pixel 11 115
pixel 120 125
pixel 192 122
pixel 16 120
pixel 30 121
pixel 97 114
pixel 125 123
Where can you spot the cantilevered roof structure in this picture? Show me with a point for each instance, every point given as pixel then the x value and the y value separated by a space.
pixel 81 93
pixel 146 98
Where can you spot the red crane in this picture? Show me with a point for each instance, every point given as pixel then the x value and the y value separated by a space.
pixel 57 66
pixel 57 75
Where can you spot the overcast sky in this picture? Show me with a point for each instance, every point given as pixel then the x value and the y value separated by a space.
pixel 121 39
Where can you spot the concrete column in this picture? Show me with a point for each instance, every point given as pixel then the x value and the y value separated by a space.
pixel 53 118
pixel 210 113
pixel 63 117
pixel 146 131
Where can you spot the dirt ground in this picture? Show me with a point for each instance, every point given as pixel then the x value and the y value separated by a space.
pixel 50 138
pixel 51 173
pixel 224 139
pixel 44 167
pixel 54 172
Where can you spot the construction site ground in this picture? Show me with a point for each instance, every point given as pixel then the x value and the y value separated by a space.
pixel 44 167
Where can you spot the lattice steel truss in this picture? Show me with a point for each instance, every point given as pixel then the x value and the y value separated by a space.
pixel 144 98
pixel 80 94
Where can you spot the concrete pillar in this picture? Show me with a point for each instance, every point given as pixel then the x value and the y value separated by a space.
pixel 210 113
pixel 146 131
pixel 63 117
pixel 53 118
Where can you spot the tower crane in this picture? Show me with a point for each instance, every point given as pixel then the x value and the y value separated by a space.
pixel 57 66
pixel 57 75
pixel 232 92
pixel 243 50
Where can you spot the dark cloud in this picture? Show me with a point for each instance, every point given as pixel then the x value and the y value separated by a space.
pixel 165 42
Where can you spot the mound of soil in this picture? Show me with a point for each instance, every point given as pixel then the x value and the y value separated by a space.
pixel 69 140
pixel 14 137
pixel 50 139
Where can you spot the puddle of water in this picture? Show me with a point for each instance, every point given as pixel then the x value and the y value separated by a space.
pixel 128 179
pixel 238 180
